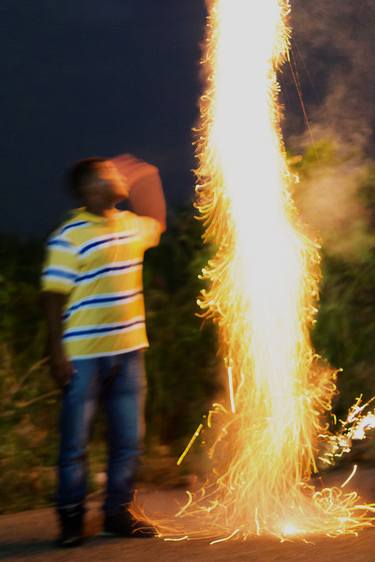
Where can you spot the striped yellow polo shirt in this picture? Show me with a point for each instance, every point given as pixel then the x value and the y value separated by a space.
pixel 97 263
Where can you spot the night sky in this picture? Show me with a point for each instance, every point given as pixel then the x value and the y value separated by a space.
pixel 88 77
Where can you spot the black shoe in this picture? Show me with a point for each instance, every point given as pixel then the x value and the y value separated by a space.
pixel 71 522
pixel 123 525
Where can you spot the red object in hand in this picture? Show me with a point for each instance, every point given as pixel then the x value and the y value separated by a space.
pixel 146 195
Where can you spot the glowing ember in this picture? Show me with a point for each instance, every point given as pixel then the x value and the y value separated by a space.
pixel 262 294
pixel 354 428
pixel 290 530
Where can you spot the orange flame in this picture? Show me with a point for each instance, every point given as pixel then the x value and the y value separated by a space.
pixel 263 289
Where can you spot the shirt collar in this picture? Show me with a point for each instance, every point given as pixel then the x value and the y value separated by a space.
pixel 84 215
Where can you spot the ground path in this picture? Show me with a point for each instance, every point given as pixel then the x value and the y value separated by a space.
pixel 29 536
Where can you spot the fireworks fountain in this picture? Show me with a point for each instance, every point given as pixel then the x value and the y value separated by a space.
pixel 262 293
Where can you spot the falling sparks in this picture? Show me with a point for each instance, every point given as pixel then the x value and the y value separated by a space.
pixel 262 294
pixel 353 472
pixel 191 443
pixel 231 393
pixel 231 536
pixel 357 424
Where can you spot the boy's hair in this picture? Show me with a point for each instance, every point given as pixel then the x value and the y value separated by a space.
pixel 82 173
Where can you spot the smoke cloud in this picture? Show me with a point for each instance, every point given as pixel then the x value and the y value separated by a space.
pixel 332 57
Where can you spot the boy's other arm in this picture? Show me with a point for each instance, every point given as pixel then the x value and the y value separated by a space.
pixel 60 366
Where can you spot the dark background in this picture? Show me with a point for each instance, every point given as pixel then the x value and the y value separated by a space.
pixel 93 77
pixel 87 77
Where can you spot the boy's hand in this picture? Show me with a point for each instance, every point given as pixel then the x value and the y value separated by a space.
pixel 61 368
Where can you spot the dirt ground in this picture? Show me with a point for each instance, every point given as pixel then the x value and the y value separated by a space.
pixel 29 536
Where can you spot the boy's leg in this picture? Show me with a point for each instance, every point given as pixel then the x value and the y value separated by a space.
pixel 79 404
pixel 124 401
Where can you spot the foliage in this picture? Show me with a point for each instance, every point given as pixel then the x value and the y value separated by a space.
pixel 345 331
pixel 182 363
pixel 27 395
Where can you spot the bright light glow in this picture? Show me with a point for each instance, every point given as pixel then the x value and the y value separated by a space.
pixel 263 289
pixel 290 530
pixel 366 423
pixel 356 426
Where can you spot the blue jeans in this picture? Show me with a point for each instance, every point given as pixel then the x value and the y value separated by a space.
pixel 120 382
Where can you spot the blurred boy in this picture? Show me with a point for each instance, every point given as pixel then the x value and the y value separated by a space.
pixel 93 298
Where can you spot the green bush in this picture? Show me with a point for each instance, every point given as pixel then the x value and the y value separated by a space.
pixel 182 362
pixel 345 331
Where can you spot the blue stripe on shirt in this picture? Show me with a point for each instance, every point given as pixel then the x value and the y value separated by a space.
pixel 54 272
pixel 99 272
pixel 59 243
pixel 105 241
pixel 99 300
pixel 103 330
pixel 73 225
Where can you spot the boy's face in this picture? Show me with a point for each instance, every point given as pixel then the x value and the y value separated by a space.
pixel 108 187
